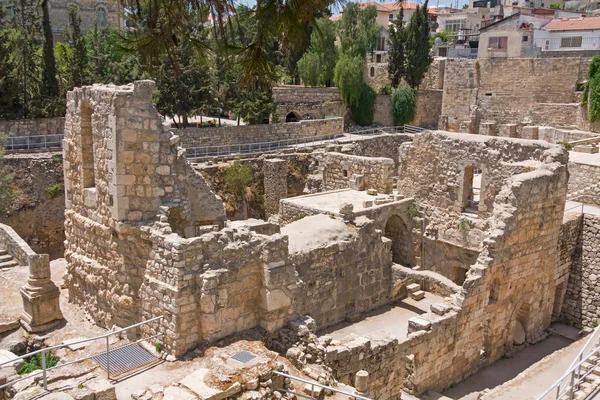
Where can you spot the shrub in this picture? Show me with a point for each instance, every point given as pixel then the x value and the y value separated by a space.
pixel 57 158
pixel 387 90
pixel 362 113
pixel 591 90
pixel 237 177
pixel 566 145
pixel 158 347
pixel 348 77
pixel 54 190
pixel 404 105
pixel 35 362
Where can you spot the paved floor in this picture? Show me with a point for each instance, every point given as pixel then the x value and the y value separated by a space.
pixel 575 207
pixel 584 158
pixel 390 319
pixel 525 376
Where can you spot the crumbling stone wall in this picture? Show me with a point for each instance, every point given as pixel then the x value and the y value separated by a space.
pixel 225 135
pixel 387 146
pixel 37 214
pixel 339 168
pixel 484 90
pixel 442 181
pixel 33 127
pixel 580 304
pixel 582 176
pixel 433 79
pixel 275 182
pixel 122 171
pixel 428 110
pixel 569 248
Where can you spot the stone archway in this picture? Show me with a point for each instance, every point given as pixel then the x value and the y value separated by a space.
pixel 397 231
pixel 293 116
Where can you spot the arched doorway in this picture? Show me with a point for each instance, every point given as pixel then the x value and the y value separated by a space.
pixel 292 116
pixel 397 231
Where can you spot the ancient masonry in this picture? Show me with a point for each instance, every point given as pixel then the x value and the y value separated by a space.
pixel 145 237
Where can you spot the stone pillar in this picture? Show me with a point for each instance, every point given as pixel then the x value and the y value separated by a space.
pixel 508 130
pixel 530 132
pixel 41 306
pixel 275 184
pixel 361 380
pixel 488 129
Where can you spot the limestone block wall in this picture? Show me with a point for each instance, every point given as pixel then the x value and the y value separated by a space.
pixel 15 245
pixel 441 182
pixel 569 248
pixel 581 300
pixel 275 183
pixel 338 168
pixel 582 176
pixel 308 103
pixel 88 10
pixel 344 278
pixel 433 79
pixel 122 169
pixel 33 127
pixel 226 135
pixel 477 90
pixel 429 107
pixel 37 214
pixel 387 146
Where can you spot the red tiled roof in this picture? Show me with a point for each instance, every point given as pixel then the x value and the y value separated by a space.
pixel 407 5
pixel 380 7
pixel 573 24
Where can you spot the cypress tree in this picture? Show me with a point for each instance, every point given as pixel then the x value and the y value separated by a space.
pixel 418 47
pixel 397 53
pixel 79 60
pixel 49 82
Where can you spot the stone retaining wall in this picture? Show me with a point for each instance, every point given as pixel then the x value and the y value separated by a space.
pixel 226 135
pixel 33 127
pixel 339 168
pixel 582 176
pixel 15 245
pixel 427 115
pixel 308 103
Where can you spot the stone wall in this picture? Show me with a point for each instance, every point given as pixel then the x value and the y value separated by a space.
pixel 387 145
pixel 581 300
pixel 37 214
pixel 338 169
pixel 275 184
pixel 582 176
pixel 569 248
pixel 433 79
pixel 123 171
pixel 427 114
pixel 485 90
pixel 308 103
pixel 225 135
pixel 33 127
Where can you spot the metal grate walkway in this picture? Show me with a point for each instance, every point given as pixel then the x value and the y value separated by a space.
pixel 124 359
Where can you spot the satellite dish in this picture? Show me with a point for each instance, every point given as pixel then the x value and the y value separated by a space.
pixel 438 41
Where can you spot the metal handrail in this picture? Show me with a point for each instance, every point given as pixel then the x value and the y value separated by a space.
pixel 34 142
pixel 573 373
pixel 352 395
pixel 45 350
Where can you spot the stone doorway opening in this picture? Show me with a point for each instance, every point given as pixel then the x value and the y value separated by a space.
pixel 397 231
pixel 293 116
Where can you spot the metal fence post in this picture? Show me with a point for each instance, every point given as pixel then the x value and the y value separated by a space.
pixel 107 360
pixel 44 377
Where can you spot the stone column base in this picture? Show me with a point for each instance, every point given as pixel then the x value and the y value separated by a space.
pixel 41 307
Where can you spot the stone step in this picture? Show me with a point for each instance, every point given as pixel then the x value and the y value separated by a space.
pixel 413 287
pixel 3 252
pixel 8 264
pixel 418 295
pixel 5 257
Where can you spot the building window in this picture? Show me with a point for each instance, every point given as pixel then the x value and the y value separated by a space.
pixel 498 43
pixel 525 38
pixel 378 58
pixel 391 17
pixel 381 44
pixel 574 41
pixel 454 25
pixel 102 17
pixel 372 72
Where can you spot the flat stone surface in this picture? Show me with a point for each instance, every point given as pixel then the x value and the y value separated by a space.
pixel 175 393
pixel 75 347
pixel 195 382
pixel 315 231
pixel 11 305
pixel 584 158
pixel 393 320
pixel 331 201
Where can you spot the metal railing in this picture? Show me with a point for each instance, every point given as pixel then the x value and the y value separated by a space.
pixel 45 352
pixel 249 149
pixel 568 384
pixel 567 44
pixel 462 53
pixel 34 142
pixel 312 390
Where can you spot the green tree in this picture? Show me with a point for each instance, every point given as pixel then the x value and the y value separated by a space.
pixel 49 81
pixel 397 56
pixel 555 6
pixel 358 30
pixel 8 192
pixel 78 61
pixel 404 104
pixel 10 100
pixel 363 110
pixel 348 77
pixel 418 46
pixel 465 6
pixel 591 90
pixel 317 65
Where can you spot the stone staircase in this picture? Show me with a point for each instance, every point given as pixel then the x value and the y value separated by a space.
pixel 415 292
pixel 591 369
pixel 6 260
